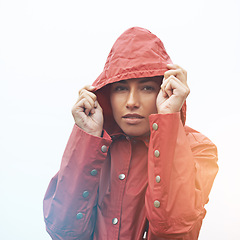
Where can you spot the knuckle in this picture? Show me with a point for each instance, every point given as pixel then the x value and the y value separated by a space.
pixel 73 110
pixel 187 91
pixel 81 91
pixel 94 97
pixel 184 72
pixel 86 87
pixel 166 74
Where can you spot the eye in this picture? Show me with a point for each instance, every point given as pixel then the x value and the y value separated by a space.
pixel 119 88
pixel 148 88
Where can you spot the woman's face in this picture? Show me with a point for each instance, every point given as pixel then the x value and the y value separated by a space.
pixel 132 102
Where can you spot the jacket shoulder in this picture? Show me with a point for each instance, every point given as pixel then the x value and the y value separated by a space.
pixel 196 137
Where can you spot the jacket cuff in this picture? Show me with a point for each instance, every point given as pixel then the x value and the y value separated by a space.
pixel 164 132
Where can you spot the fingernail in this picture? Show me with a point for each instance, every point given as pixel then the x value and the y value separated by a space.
pixel 95 104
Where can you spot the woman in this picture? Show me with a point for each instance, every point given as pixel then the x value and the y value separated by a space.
pixel 131 168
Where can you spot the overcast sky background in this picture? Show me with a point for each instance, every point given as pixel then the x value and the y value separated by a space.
pixel 49 49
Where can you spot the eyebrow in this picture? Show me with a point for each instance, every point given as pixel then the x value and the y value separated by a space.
pixel 148 80
pixel 141 81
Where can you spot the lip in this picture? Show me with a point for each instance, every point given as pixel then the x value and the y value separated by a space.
pixel 133 118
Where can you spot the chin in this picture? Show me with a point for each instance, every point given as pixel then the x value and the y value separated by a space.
pixel 136 133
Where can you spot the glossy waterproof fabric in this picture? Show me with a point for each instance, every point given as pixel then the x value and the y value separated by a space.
pixel 109 188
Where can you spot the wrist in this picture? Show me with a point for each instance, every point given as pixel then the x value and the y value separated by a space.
pixel 167 111
pixel 97 133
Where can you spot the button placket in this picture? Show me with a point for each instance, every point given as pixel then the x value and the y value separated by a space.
pixel 85 194
pixel 155 126
pixel 122 176
pixel 79 215
pixel 104 148
pixel 94 172
pixel 114 221
pixel 156 153
pixel 158 179
pixel 156 204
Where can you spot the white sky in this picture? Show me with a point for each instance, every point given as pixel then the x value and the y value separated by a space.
pixel 49 49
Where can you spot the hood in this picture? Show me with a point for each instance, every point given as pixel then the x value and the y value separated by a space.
pixel 137 53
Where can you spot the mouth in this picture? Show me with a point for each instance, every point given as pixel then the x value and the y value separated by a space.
pixel 132 116
pixel 133 119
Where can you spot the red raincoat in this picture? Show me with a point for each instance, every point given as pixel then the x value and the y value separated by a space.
pixel 116 187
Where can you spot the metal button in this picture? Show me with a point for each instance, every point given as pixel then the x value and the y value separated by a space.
pixel 156 204
pixel 114 221
pixel 121 176
pixel 79 215
pixel 94 172
pixel 156 153
pixel 85 194
pixel 104 148
pixel 158 178
pixel 155 126
pixel 128 138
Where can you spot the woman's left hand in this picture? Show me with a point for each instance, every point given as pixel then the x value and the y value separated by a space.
pixel 174 90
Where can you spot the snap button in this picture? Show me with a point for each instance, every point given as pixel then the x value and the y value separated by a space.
pixel 85 194
pixel 104 148
pixel 155 126
pixel 121 176
pixel 93 172
pixel 114 221
pixel 158 178
pixel 156 204
pixel 156 153
pixel 79 215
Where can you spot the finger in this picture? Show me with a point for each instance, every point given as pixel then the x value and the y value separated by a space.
pixel 165 82
pixel 85 106
pixel 168 89
pixel 89 87
pixel 172 79
pixel 175 84
pixel 178 73
pixel 163 86
pixel 97 105
pixel 83 93
pixel 170 82
pixel 90 99
pixel 173 66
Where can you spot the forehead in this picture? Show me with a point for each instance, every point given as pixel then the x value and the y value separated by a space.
pixel 156 79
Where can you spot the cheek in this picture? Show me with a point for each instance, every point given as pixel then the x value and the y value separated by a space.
pixel 115 104
pixel 150 105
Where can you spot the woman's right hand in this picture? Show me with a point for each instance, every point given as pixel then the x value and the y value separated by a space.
pixel 87 112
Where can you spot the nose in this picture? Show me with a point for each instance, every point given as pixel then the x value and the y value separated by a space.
pixel 133 101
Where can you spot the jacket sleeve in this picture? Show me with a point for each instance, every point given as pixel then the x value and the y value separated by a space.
pixel 71 198
pixel 181 171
